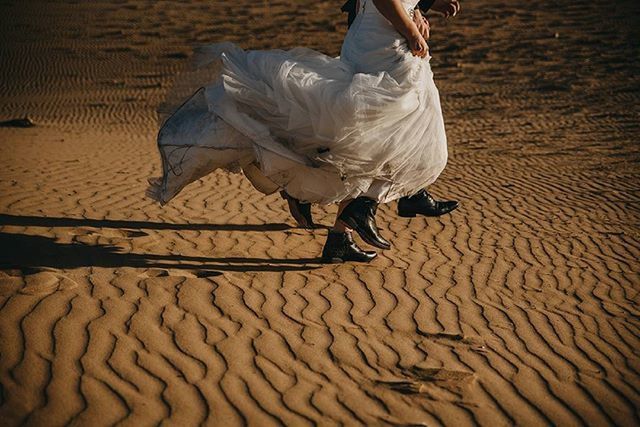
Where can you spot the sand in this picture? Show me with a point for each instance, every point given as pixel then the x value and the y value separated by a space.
pixel 519 308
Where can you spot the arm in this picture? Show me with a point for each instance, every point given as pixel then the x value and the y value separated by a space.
pixel 422 23
pixel 397 15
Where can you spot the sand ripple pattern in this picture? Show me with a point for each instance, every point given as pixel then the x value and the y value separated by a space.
pixel 520 308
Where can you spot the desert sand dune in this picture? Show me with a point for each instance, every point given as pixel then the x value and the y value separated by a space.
pixel 522 307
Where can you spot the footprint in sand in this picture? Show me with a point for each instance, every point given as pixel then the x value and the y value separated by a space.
pixel 111 233
pixel 432 383
pixel 36 283
pixel 161 272
pixel 475 343
pixel 155 272
pixel 10 282
pixel 105 236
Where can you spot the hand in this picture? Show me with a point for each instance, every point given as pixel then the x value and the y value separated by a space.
pixel 446 7
pixel 418 45
pixel 422 23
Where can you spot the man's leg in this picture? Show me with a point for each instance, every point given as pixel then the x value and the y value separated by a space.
pixel 423 203
pixel 300 211
pixel 340 246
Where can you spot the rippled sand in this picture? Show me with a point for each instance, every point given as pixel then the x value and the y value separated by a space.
pixel 519 308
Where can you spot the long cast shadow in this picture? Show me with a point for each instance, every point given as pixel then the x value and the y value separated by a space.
pixel 27 251
pixel 37 221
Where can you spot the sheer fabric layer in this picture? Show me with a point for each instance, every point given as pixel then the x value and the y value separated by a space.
pixel 322 128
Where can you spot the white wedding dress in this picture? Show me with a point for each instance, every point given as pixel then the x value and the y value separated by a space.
pixel 325 129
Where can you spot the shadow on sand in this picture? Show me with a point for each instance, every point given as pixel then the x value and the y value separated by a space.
pixel 29 251
pixel 38 221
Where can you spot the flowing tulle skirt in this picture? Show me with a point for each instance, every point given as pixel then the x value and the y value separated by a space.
pixel 324 129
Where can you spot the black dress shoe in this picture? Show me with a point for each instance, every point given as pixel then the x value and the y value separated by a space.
pixel 360 215
pixel 424 204
pixel 340 247
pixel 301 212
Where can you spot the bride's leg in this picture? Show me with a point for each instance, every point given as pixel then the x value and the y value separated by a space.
pixel 301 212
pixel 339 226
pixel 340 246
pixel 360 215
